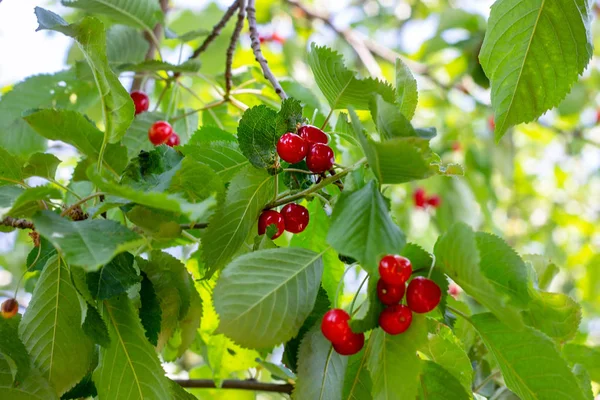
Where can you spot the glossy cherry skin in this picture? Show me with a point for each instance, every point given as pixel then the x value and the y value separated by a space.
pixel 312 134
pixel 295 216
pixel 423 295
pixel 395 319
pixel 395 269
pixel 335 325
pixel 9 308
pixel 352 345
pixel 160 132
pixel 173 140
pixel 140 101
pixel 292 148
pixel 419 198
pixel 271 217
pixel 434 201
pixel 320 158
pixel 390 294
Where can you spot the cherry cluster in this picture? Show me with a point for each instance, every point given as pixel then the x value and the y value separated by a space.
pixel 422 294
pixel 161 132
pixel 292 218
pixel 336 328
pixel 422 200
pixel 9 308
pixel 309 143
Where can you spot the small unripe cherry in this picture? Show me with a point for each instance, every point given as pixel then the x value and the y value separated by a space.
pixel 334 325
pixel 419 198
pixel 312 134
pixel 160 132
pixel 173 140
pixel 268 218
pixel 395 319
pixel 320 158
pixel 295 216
pixel 140 101
pixel 395 269
pixel 351 345
pixel 390 294
pixel 9 308
pixel 292 148
pixel 423 295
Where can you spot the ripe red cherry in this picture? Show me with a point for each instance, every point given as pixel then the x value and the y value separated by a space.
pixel 395 269
pixel 268 218
pixel 320 158
pixel 419 198
pixel 390 294
pixel 335 326
pixel 423 295
pixel 434 201
pixel 173 140
pixel 491 123
pixel 277 38
pixel 295 217
pixel 9 308
pixel 160 132
pixel 312 134
pixel 292 148
pixel 140 101
pixel 395 319
pixel 351 345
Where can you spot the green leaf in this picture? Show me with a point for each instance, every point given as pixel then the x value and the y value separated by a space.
pixel 226 358
pixel 12 348
pixel 545 269
pixel 533 52
pixel 320 369
pixel 43 165
pixel 35 387
pixel 39 256
pixel 117 106
pixel 458 256
pixel 169 281
pixel 224 157
pixel 263 297
pixel 152 170
pixel 30 200
pixel 314 238
pixel 257 136
pixel 555 314
pixel 390 121
pixel 88 244
pixel 129 368
pixel 406 90
pixel 156 223
pixel 136 137
pixel 95 327
pixel 370 319
pixel 114 278
pixel 361 227
pixel 530 363
pixel 587 356
pixel 438 383
pixel 357 382
pixel 289 117
pixel 190 323
pixel 248 193
pixel 179 393
pixel 75 129
pixel 277 371
pixel 339 85
pixel 125 45
pixel 195 181
pixel 84 389
pixel 51 329
pixel 150 311
pixel 11 170
pixel 157 66
pixel 143 14
pixel 393 361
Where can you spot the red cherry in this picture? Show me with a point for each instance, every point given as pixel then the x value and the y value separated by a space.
pixel 173 140
pixel 419 197
pixel 292 148
pixel 277 38
pixel 456 146
pixel 268 218
pixel 295 217
pixel 312 134
pixel 491 123
pixel 160 132
pixel 351 345
pixel 434 201
pixel 9 308
pixel 390 294
pixel 140 101
pixel 335 326
pixel 423 295
pixel 320 158
pixel 395 319
pixel 395 269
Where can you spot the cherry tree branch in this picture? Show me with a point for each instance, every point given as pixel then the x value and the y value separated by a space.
pixel 17 223
pixel 231 49
pixel 251 10
pixel 216 31
pixel 237 384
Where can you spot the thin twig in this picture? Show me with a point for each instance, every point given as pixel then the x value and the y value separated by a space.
pixel 200 225
pixel 231 49
pixel 17 223
pixel 487 380
pixel 216 31
pixel 80 202
pixel 207 107
pixel 237 384
pixel 258 53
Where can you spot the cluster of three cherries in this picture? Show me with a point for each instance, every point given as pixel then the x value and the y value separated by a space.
pixel 161 132
pixel 309 143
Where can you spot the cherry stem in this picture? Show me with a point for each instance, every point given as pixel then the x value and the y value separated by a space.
pixel 207 107
pixel 327 119
pixel 459 313
pixel 432 265
pixel 357 293
pixel 301 171
pixel 37 257
pixel 340 283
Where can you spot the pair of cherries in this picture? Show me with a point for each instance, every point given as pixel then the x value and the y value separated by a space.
pixel 9 308
pixel 292 218
pixel 422 294
pixel 422 200
pixel 309 143
pixel 160 132
pixel 335 327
